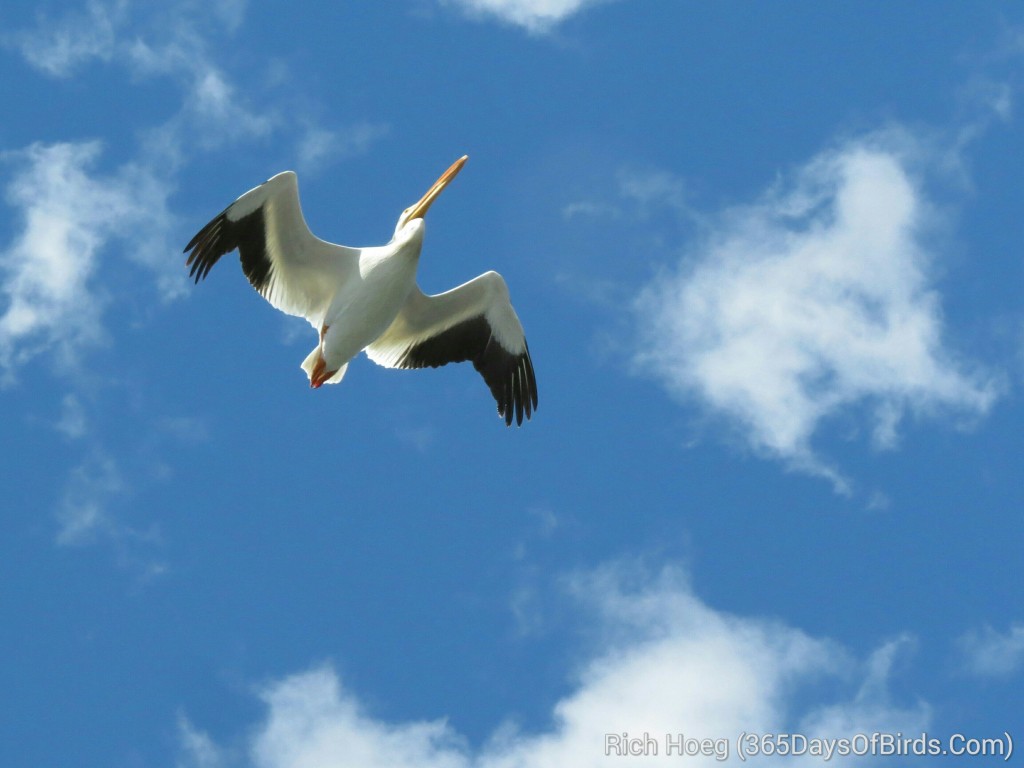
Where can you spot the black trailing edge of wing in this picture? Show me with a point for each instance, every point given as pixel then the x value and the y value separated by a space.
pixel 510 377
pixel 222 235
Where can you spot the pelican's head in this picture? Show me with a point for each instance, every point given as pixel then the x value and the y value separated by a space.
pixel 419 209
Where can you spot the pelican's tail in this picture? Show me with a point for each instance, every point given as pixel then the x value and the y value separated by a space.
pixel 310 363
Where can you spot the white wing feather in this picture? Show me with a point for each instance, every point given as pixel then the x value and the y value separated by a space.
pixel 294 270
pixel 424 317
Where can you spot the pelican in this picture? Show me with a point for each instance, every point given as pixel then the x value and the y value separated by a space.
pixel 367 299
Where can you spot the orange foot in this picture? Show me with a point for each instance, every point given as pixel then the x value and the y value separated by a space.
pixel 320 373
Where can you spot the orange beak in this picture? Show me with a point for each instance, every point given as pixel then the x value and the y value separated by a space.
pixel 419 210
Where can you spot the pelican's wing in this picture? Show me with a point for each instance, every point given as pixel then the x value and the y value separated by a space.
pixel 472 322
pixel 291 268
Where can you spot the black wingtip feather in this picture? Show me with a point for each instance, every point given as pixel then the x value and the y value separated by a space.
pixel 222 235
pixel 510 377
pixel 519 394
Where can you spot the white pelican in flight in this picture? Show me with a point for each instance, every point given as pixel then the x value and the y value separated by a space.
pixel 367 298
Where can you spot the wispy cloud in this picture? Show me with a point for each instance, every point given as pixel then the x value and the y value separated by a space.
pixel 219 111
pixel 871 709
pixel 815 299
pixel 93 508
pixel 58 47
pixel 639 194
pixel 179 42
pixel 51 300
pixel 198 749
pixel 78 217
pixel 988 653
pixel 69 215
pixel 667 662
pixel 109 494
pixel 83 514
pixel 176 44
pixel 51 293
pixel 533 15
pixel 184 429
pixel 72 423
pixel 317 146
pixel 653 190
pixel 116 30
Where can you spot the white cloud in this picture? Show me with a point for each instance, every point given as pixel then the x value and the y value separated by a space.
pixel 116 29
pixel 871 709
pixel 185 429
pixel 590 209
pixel 198 750
pixel 652 189
pixel 220 113
pixel 313 722
pixel 212 109
pixel 231 12
pixel 318 146
pixel 815 299
pixel 92 509
pixel 640 194
pixel 175 41
pixel 149 41
pixel 988 653
pixel 666 663
pixel 83 513
pixel 72 423
pixel 533 15
pixel 58 47
pixel 69 215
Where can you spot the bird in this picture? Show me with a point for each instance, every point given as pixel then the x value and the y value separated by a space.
pixel 367 299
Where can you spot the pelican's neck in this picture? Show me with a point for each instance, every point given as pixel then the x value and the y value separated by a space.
pixel 406 231
pixel 401 254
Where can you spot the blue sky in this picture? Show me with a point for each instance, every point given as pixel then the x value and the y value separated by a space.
pixel 768 259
